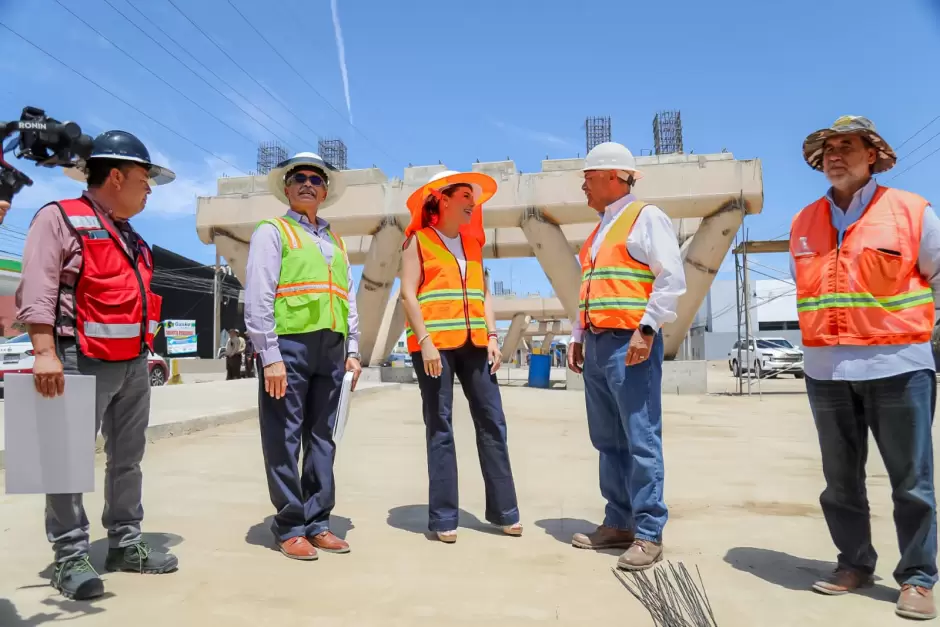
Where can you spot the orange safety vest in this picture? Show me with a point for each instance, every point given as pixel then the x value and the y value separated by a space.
pixel 615 287
pixel 452 307
pixel 868 291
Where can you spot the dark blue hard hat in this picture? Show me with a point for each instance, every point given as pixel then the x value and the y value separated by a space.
pixel 123 146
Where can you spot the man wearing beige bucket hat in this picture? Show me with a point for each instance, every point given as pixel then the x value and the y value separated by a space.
pixel 866 261
pixel 300 312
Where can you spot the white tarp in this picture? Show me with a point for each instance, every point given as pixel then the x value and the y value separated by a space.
pixel 50 443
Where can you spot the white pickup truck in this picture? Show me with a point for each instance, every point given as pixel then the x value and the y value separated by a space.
pixel 769 356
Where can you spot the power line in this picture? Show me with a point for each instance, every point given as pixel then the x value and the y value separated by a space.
pixel 229 57
pixel 116 97
pixel 304 79
pixel 157 76
pixel 918 132
pixel 932 137
pixel 196 74
pixel 915 164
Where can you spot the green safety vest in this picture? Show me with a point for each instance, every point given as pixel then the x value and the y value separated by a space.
pixel 311 294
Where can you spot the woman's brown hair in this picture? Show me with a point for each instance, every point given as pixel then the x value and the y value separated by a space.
pixel 431 211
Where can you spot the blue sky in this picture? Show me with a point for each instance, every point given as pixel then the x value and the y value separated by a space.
pixel 457 82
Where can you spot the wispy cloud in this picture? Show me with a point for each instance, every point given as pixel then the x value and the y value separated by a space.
pixel 341 48
pixel 192 180
pixel 540 137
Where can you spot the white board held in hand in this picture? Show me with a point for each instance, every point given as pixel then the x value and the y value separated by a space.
pixel 342 411
pixel 50 442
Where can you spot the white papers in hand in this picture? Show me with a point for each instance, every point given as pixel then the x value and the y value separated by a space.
pixel 342 412
pixel 50 443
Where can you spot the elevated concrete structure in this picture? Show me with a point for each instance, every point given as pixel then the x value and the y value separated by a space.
pixel 540 214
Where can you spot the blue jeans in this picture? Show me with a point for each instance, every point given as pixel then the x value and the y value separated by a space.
pixel 470 365
pixel 304 416
pixel 899 411
pixel 625 421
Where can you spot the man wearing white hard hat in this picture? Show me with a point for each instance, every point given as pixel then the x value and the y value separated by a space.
pixel 632 277
pixel 300 313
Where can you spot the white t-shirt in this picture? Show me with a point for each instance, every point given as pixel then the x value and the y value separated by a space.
pixel 455 246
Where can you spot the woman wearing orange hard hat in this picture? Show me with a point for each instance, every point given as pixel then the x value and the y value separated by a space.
pixel 451 331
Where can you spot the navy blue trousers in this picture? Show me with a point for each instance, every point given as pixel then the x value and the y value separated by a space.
pixel 303 417
pixel 469 364
pixel 899 411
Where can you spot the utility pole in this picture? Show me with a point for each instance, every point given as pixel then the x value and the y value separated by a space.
pixel 216 305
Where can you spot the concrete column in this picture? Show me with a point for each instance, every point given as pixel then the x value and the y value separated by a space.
pixel 556 257
pixel 385 341
pixel 378 276
pixel 702 256
pixel 511 342
pixel 550 336
pixel 396 327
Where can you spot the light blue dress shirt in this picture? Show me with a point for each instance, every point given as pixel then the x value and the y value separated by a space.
pixel 863 363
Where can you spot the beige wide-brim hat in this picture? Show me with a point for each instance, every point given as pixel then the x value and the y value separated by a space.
pixel 335 183
pixel 849 125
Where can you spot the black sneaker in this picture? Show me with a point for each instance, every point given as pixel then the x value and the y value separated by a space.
pixel 140 558
pixel 77 579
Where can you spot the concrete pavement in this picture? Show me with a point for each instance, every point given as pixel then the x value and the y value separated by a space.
pixel 742 483
pixel 187 408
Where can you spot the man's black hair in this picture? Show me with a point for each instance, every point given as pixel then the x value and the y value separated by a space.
pixel 99 169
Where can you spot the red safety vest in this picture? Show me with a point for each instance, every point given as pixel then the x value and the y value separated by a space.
pixel 116 314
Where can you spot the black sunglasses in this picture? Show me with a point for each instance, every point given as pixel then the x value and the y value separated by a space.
pixel 315 179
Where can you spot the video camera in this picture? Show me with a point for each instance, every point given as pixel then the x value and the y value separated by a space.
pixel 42 139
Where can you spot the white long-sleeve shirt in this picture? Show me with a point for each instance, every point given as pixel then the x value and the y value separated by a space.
pixel 651 241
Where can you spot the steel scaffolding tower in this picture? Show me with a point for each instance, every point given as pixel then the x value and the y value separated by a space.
pixel 270 154
pixel 596 131
pixel 667 132
pixel 333 152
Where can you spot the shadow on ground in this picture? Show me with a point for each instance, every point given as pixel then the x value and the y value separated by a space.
pixel 162 542
pixel 62 610
pixel 414 518
pixel 563 528
pixel 794 573
pixel 261 534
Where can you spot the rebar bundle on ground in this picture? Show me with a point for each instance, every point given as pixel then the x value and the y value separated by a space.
pixel 672 598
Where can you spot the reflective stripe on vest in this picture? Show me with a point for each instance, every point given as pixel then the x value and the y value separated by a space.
pixel 868 290
pixel 452 306
pixel 311 294
pixel 116 313
pixel 615 287
pixel 116 331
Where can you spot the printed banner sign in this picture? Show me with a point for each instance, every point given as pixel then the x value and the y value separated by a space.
pixel 180 336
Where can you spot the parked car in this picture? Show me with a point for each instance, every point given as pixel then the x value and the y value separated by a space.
pixel 770 356
pixel 397 358
pixel 16 356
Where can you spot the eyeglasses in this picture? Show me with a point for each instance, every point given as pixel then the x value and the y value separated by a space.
pixel 315 179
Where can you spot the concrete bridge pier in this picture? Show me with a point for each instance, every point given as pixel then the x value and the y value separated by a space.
pixel 517 327
pixel 555 255
pixel 702 255
pixel 378 277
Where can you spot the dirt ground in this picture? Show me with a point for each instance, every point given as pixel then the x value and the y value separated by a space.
pixel 742 484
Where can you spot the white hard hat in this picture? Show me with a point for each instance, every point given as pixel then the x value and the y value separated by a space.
pixel 612 156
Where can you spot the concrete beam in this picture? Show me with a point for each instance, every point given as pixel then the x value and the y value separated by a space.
pixel 378 277
pixel 549 244
pixel 684 186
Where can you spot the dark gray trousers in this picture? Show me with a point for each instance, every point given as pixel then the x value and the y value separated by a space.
pixel 122 413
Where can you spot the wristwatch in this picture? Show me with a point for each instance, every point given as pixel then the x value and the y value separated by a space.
pixel 647 330
pixel 355 356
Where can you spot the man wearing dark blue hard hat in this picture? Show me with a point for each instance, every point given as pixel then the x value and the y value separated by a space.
pixel 86 300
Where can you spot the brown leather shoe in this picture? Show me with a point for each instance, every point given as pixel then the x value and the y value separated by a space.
pixel 916 602
pixel 326 541
pixel 298 548
pixel 641 555
pixel 843 580
pixel 603 538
